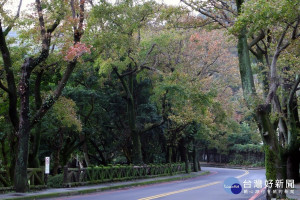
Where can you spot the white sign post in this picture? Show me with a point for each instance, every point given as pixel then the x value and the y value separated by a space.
pixel 47 165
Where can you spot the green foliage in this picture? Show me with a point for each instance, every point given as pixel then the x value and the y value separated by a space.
pixel 55 181
pixel 238 160
pixel 262 14
pixel 186 103
pixel 99 174
pixel 65 112
pixel 118 42
pixel 258 164
pixel 184 84
pixel 270 159
pixel 247 148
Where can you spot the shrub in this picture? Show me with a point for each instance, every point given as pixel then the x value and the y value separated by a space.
pixel 55 181
pixel 258 164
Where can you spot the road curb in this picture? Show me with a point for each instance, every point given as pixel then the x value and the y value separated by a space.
pixel 231 167
pixel 102 189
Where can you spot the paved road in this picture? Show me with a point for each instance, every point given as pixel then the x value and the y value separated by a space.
pixel 209 187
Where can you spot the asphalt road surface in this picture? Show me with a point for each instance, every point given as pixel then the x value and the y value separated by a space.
pixel 208 187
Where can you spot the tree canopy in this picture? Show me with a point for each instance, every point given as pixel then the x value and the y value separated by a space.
pixel 141 82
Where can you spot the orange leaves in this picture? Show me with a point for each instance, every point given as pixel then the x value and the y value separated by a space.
pixel 77 50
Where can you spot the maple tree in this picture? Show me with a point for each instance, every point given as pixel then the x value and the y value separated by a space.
pixel 190 69
pixel 24 123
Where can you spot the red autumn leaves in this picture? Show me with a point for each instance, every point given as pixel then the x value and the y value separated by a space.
pixel 76 51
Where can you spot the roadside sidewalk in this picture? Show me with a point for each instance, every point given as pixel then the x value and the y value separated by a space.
pixel 296 194
pixel 289 196
pixel 223 165
pixel 57 192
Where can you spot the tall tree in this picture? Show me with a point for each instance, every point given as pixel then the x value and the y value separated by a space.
pixel 283 32
pixel 46 29
pixel 121 25
pixel 255 15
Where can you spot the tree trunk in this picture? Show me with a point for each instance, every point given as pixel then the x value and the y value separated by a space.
pixel 244 61
pixel 183 154
pixel 136 138
pixel 293 143
pixel 33 157
pixel 169 154
pixel 293 165
pixel 13 156
pixel 273 158
pixel 137 157
pixel 245 67
pixel 263 71
pixel 103 159
pixel 56 161
pixel 85 149
pixel 20 179
pixel 11 85
pixel 207 154
pixel 195 159
pixel 13 100
pixel 273 153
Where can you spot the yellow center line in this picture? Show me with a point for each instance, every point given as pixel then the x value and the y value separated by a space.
pixel 179 191
pixel 188 189
pixel 246 173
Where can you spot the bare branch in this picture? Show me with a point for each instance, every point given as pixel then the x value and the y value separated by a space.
pixel 223 6
pixel 73 9
pixel 151 68
pixel 41 17
pixel 148 54
pixel 48 103
pixel 46 36
pixel 293 90
pixel 91 2
pixel 205 12
pixel 10 79
pixel 279 48
pixel 3 87
pixel 207 66
pixel 129 72
pixel 15 18
pixel 2 4
pixel 194 25
pixel 48 66
pixel 153 126
pixel 294 34
pixel 257 39
pixel 54 25
pixel 253 52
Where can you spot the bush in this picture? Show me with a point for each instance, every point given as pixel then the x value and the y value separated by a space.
pixel 258 164
pixel 123 172
pixel 55 181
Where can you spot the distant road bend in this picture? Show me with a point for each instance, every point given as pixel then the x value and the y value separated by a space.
pixel 208 187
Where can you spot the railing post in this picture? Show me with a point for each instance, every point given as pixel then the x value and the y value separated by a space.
pixel 78 174
pixel 66 174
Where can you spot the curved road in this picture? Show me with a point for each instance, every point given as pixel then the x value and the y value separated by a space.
pixel 208 187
